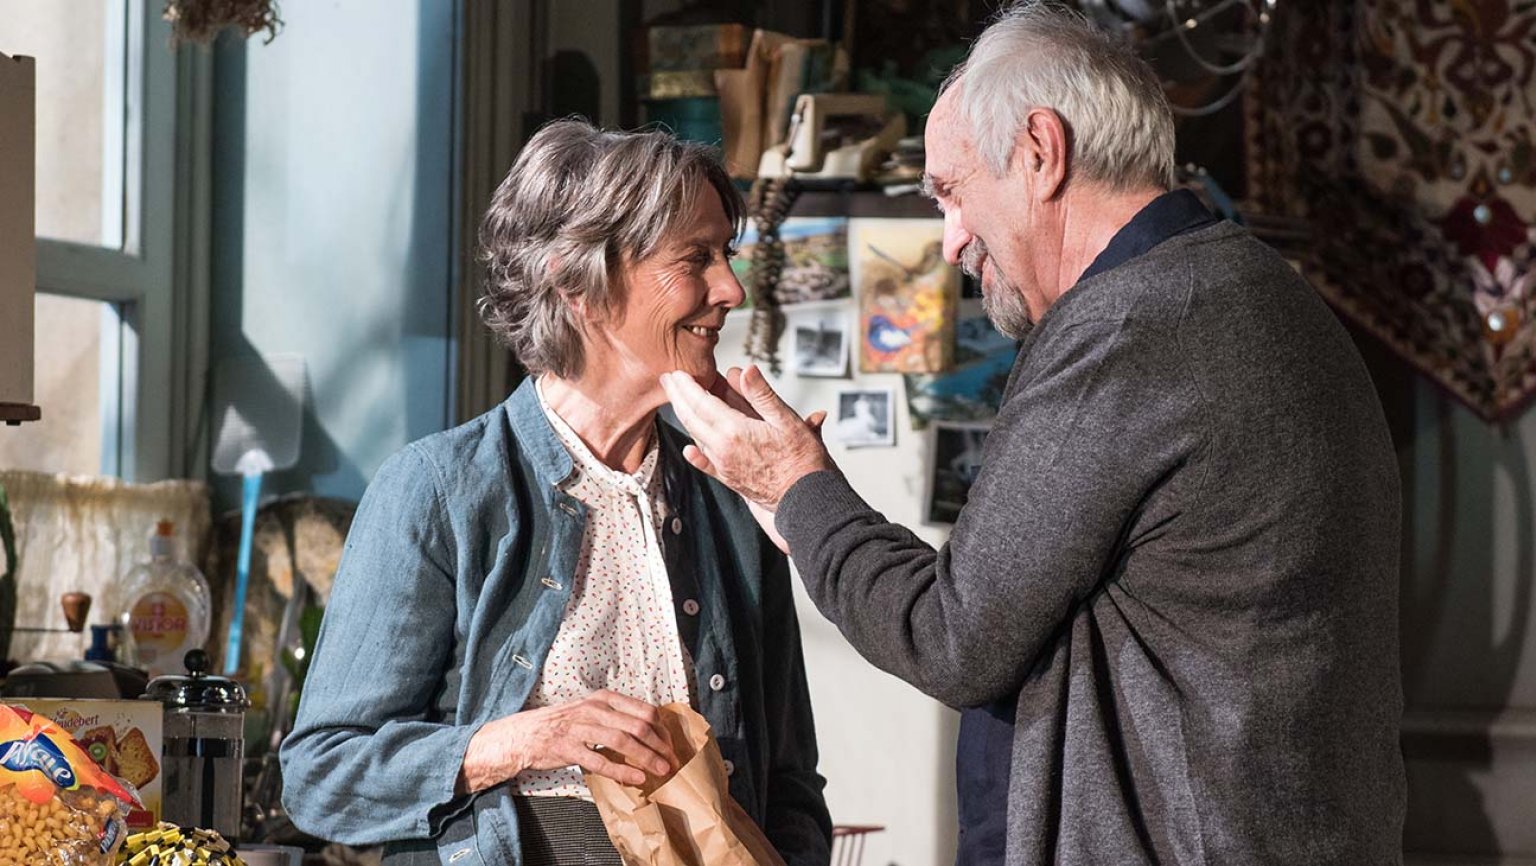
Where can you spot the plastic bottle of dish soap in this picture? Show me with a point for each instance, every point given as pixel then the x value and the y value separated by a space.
pixel 163 606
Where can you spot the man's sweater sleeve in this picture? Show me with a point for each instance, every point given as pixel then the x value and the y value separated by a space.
pixel 1098 424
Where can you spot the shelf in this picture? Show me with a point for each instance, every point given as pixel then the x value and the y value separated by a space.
pixel 15 413
pixel 862 203
pixel 847 198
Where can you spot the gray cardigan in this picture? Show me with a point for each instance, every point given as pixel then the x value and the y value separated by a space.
pixel 1181 559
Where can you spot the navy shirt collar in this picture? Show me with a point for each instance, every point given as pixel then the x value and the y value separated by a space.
pixel 1172 213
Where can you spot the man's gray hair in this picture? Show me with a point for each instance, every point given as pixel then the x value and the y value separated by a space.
pixel 1045 55
pixel 577 207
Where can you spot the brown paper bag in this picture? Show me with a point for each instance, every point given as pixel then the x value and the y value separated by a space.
pixel 688 818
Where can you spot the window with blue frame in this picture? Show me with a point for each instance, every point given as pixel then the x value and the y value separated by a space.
pixel 106 80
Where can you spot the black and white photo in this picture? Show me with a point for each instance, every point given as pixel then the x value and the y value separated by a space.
pixel 954 462
pixel 864 417
pixel 820 345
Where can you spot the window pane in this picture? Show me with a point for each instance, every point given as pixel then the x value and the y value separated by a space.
pixel 79 158
pixel 67 387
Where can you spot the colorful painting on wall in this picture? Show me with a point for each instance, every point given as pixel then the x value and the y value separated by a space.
pixel 906 293
pixel 973 389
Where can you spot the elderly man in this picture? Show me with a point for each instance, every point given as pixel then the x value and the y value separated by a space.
pixel 1172 597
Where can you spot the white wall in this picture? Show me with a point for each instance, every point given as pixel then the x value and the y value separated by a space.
pixel 887 750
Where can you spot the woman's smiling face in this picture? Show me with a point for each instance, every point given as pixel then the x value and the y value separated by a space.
pixel 672 304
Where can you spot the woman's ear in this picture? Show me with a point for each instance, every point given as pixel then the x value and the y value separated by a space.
pixel 589 325
pixel 607 310
pixel 588 316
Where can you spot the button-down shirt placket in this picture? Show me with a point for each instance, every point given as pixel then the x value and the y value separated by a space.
pixel 606 617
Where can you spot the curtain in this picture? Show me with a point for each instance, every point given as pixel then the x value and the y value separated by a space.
pixel 82 534
pixel 498 69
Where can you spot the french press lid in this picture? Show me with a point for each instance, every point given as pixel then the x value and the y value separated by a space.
pixel 198 690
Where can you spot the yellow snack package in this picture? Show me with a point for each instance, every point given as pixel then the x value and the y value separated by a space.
pixel 57 807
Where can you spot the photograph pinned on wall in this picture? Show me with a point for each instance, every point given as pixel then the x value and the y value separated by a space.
pixel 907 295
pixel 973 389
pixel 741 265
pixel 815 260
pixel 865 417
pixel 820 343
pixel 954 453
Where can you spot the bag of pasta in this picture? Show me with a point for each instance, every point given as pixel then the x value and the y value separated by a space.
pixel 57 807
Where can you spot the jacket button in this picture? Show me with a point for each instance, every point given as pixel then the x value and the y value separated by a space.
pixel 730 768
pixel 717 682
pixel 677 526
pixel 458 855
pixel 523 661
pixel 550 582
pixel 691 607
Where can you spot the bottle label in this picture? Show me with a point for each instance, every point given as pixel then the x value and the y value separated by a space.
pixel 159 622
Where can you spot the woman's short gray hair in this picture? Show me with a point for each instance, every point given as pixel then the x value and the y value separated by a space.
pixel 578 205
pixel 1045 55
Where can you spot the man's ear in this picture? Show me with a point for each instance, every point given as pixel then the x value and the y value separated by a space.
pixel 1041 152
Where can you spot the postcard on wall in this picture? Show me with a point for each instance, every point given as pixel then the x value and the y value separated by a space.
pixel 865 416
pixel 906 295
pixel 955 461
pixel 820 342
pixel 815 260
pixel 741 265
pixel 973 389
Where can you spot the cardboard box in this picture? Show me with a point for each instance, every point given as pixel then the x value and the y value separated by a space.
pixel 125 737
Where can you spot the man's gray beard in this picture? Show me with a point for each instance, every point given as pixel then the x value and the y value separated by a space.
pixel 1002 301
pixel 1005 308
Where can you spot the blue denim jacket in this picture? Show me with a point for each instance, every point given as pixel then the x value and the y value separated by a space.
pixel 453 583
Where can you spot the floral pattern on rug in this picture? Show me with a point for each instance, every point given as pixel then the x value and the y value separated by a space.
pixel 1402 132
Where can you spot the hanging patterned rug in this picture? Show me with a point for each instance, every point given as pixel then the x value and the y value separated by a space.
pixel 1402 132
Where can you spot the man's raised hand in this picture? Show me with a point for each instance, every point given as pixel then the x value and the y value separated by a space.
pixel 747 437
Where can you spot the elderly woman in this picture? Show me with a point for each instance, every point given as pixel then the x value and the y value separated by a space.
pixel 518 594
